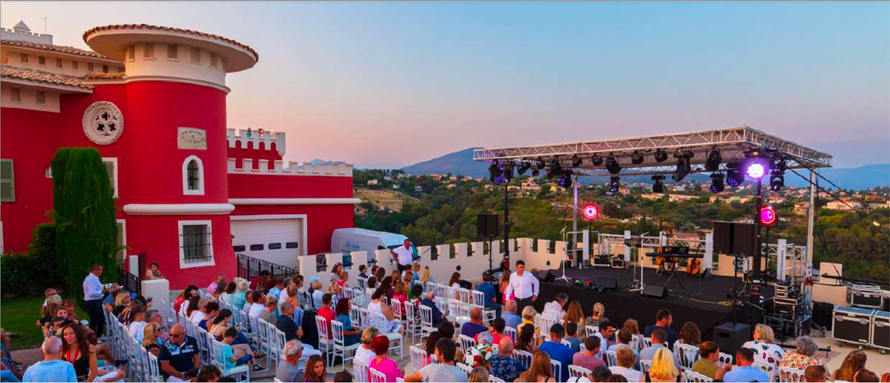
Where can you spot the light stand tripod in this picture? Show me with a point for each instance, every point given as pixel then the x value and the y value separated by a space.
pixel 563 261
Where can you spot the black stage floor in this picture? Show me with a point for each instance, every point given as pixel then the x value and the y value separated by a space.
pixel 705 303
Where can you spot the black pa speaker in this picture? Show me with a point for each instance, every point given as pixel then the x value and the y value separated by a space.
pixel 734 238
pixel 654 291
pixel 608 284
pixel 487 225
pixel 545 276
pixel 731 336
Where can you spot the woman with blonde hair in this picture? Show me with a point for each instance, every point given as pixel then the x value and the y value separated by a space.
pixel 425 276
pixel 663 368
pixel 575 314
pixel 540 369
pixel 764 345
pixel 150 334
pixel 528 315
pixel 599 315
pixel 479 374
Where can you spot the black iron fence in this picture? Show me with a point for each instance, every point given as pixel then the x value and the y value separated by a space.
pixel 129 281
pixel 249 268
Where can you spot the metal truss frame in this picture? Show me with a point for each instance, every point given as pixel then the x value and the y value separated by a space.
pixel 732 144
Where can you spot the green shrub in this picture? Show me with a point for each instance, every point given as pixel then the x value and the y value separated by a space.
pixel 20 271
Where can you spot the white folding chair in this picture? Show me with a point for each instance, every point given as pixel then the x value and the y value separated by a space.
pixel 376 376
pixel 488 315
pixel 723 359
pixel 418 358
pixel 466 342
pixel 426 321
pixel 360 371
pixel 767 367
pixel 456 308
pixel 412 325
pixel 324 339
pixel 578 371
pixel 362 283
pixel 647 342
pixel 566 343
pixel 686 354
pixel 464 367
pixel 523 357
pixel 511 332
pixel 364 317
pixel 219 361
pixel 397 307
pixel 395 339
pixel 636 343
pixel 557 369
pixel 645 365
pixel 694 377
pixel 591 330
pixel 339 347
pixel 791 375
pixel 544 324
pixel 611 358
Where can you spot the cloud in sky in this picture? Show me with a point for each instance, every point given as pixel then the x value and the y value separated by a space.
pixel 391 84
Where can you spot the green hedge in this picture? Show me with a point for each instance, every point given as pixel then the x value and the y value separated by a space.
pixel 23 274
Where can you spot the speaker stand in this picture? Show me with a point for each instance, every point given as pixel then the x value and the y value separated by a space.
pixel 563 261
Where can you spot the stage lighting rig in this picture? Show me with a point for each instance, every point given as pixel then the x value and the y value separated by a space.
pixel 540 164
pixel 776 180
pixel 661 155
pixel 507 170
pixel 712 164
pixel 717 185
pixel 636 158
pixel 684 165
pixel 614 184
pixel 554 168
pixel 494 172
pixel 734 176
pixel 576 161
pixel 612 165
pixel 566 180
pixel 658 186
pixel 524 166
pixel 596 160
pixel 780 164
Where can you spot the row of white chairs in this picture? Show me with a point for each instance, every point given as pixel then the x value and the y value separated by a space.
pixel 141 364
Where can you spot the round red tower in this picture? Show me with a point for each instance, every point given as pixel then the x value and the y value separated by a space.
pixel 177 207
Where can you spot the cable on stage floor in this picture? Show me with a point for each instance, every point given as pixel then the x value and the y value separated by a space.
pixel 720 303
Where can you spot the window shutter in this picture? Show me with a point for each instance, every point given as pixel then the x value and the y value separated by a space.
pixel 7 181
pixel 109 167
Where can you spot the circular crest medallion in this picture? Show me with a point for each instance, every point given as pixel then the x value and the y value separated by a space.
pixel 103 123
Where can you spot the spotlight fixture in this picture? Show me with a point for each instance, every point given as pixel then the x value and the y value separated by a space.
pixel 540 164
pixel 636 158
pixel 780 164
pixel 734 176
pixel 576 161
pixel 614 184
pixel 684 166
pixel 494 172
pixel 612 165
pixel 661 155
pixel 776 180
pixel 756 167
pixel 597 160
pixel 658 186
pixel 535 171
pixel 717 185
pixel 507 170
pixel 524 166
pixel 712 164
pixel 554 168
pixel 566 180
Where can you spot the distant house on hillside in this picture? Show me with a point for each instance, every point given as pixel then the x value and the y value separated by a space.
pixel 801 208
pixel 372 182
pixel 652 196
pixel 418 188
pixel 468 178
pixel 843 205
pixel 396 186
pixel 387 178
pixel 451 186
pixel 776 200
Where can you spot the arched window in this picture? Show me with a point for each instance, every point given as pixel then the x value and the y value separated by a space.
pixel 193 176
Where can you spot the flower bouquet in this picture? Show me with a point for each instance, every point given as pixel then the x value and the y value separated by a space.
pixel 478 355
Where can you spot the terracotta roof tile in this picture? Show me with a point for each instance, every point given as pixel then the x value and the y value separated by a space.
pixel 44 77
pixel 105 76
pixel 170 29
pixel 55 48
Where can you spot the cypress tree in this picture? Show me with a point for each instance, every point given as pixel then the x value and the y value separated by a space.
pixel 86 226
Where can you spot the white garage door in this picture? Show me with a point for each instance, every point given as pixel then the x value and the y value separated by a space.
pixel 278 241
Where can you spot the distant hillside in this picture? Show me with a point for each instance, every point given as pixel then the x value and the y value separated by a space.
pixel 461 163
pixel 457 163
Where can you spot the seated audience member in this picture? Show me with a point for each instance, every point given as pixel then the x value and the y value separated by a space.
pixel 137 324
pixel 853 362
pixel 527 341
pixel 572 336
pixel 706 364
pixel 663 368
pixel 496 330
pixel 234 357
pixel 504 365
pixel 444 370
pixel 690 334
pixel 52 368
pixel 326 312
pixel 270 313
pixel 180 355
pixel 509 315
pixel 382 362
pixel 214 285
pixel 315 370
pixel 764 345
pixel 363 271
pixel 77 350
pixel 606 332
pixel 589 359
pixel 259 305
pixel 574 314
pixel 378 306
pixel 600 374
pixel 198 309
pixel 599 315
pixel 475 325
pixel 343 376
pixel 816 373
pixel 554 310
pixel 429 301
pixel 445 330
pixel 365 353
pixel 212 309
pixel 616 378
pixel 558 351
pixel 351 334
pixel 490 293
pixel 632 326
pixel 286 323
pixel 659 337
pixel 743 371
pixel 478 375
pixel 540 369
pixel 624 339
pixel 626 361
pixel 209 373
pixel 865 376
pixel 663 321
pixel 802 356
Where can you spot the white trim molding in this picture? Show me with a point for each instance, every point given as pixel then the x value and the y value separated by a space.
pixel 295 201
pixel 178 208
pixel 212 261
pixel 185 176
pixel 261 217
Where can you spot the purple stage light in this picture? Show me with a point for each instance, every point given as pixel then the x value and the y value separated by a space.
pixel 755 169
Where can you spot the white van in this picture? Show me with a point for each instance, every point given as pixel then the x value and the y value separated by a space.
pixel 355 239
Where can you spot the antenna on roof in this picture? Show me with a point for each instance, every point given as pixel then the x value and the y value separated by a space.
pixel 44 24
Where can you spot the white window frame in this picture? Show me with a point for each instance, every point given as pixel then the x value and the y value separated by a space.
pixel 185 176
pixel 113 161
pixel 123 227
pixel 188 265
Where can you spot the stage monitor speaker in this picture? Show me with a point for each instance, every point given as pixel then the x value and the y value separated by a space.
pixel 654 291
pixel 734 238
pixel 731 336
pixel 545 275
pixel 606 283
pixel 487 225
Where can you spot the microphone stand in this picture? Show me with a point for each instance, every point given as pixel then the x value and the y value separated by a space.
pixel 563 277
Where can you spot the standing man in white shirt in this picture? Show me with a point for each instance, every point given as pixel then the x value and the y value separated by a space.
pixel 93 292
pixel 403 256
pixel 524 286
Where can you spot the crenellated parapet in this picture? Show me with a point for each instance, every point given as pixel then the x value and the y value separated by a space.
pixel 255 137
pixel 291 168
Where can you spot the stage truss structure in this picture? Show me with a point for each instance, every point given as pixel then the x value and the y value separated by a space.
pixel 731 142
